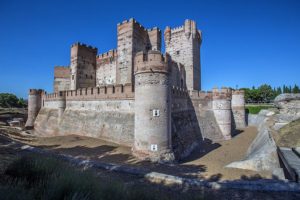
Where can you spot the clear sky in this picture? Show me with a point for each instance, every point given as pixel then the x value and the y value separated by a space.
pixel 245 42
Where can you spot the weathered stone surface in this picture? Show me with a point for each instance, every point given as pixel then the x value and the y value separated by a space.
pixel 262 154
pixel 286 97
pixel 112 121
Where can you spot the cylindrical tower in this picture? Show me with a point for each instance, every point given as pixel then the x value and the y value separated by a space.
pixel 34 106
pixel 61 103
pixel 238 109
pixel 221 106
pixel 152 132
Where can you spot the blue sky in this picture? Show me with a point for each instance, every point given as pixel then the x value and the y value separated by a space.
pixel 245 42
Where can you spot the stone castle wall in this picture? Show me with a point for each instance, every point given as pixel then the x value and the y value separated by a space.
pixel 106 113
pixel 106 68
pixel 61 78
pixel 183 45
pixel 133 38
pixel 83 66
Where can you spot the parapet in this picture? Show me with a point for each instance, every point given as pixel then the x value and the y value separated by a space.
pixel 154 29
pixel 132 23
pixel 36 92
pixel 238 92
pixel 85 46
pixel 189 29
pixel 61 95
pixel 178 92
pixel 224 93
pixel 113 53
pixel 200 95
pixel 108 92
pixel 152 61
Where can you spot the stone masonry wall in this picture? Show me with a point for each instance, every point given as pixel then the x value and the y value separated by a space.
pixel 61 78
pixel 106 68
pixel 83 66
pixel 106 113
pixel 193 120
pixel 133 38
pixel 183 45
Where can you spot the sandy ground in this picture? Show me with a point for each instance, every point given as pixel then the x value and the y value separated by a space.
pixel 207 162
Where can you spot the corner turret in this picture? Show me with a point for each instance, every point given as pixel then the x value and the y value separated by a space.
pixel 238 109
pixel 221 105
pixel 34 106
pixel 152 133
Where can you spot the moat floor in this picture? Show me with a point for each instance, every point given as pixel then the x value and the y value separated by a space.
pixel 207 162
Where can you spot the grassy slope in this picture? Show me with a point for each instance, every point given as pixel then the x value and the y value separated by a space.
pixel 254 109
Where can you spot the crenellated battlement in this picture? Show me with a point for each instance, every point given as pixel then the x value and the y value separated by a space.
pixel 36 92
pixel 177 29
pixel 82 45
pixel 133 22
pixel 154 29
pixel 151 61
pixel 223 93
pixel 200 95
pixel 118 91
pixel 238 92
pixel 178 92
pixel 111 53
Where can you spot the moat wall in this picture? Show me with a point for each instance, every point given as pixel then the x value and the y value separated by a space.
pixel 108 113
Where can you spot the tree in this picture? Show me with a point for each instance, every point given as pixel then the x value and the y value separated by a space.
pixel 266 92
pixel 296 89
pixel 278 91
pixel 8 100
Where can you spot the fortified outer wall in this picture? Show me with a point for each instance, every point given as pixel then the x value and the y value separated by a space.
pixel 61 78
pixel 106 68
pixel 83 66
pixel 198 118
pixel 101 112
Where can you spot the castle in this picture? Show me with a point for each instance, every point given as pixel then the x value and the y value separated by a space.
pixel 137 97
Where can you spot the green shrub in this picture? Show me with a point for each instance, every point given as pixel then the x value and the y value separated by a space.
pixel 256 109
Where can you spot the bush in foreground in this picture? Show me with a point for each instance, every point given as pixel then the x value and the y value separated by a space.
pixel 37 177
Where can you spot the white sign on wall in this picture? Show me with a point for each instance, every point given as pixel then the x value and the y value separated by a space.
pixel 153 147
pixel 155 113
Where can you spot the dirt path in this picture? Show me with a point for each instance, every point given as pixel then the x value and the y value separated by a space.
pixel 207 162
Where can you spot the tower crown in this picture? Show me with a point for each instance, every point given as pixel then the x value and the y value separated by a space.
pixel 152 61
pixel 84 46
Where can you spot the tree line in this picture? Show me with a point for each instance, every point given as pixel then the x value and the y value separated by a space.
pixel 266 94
pixel 8 100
